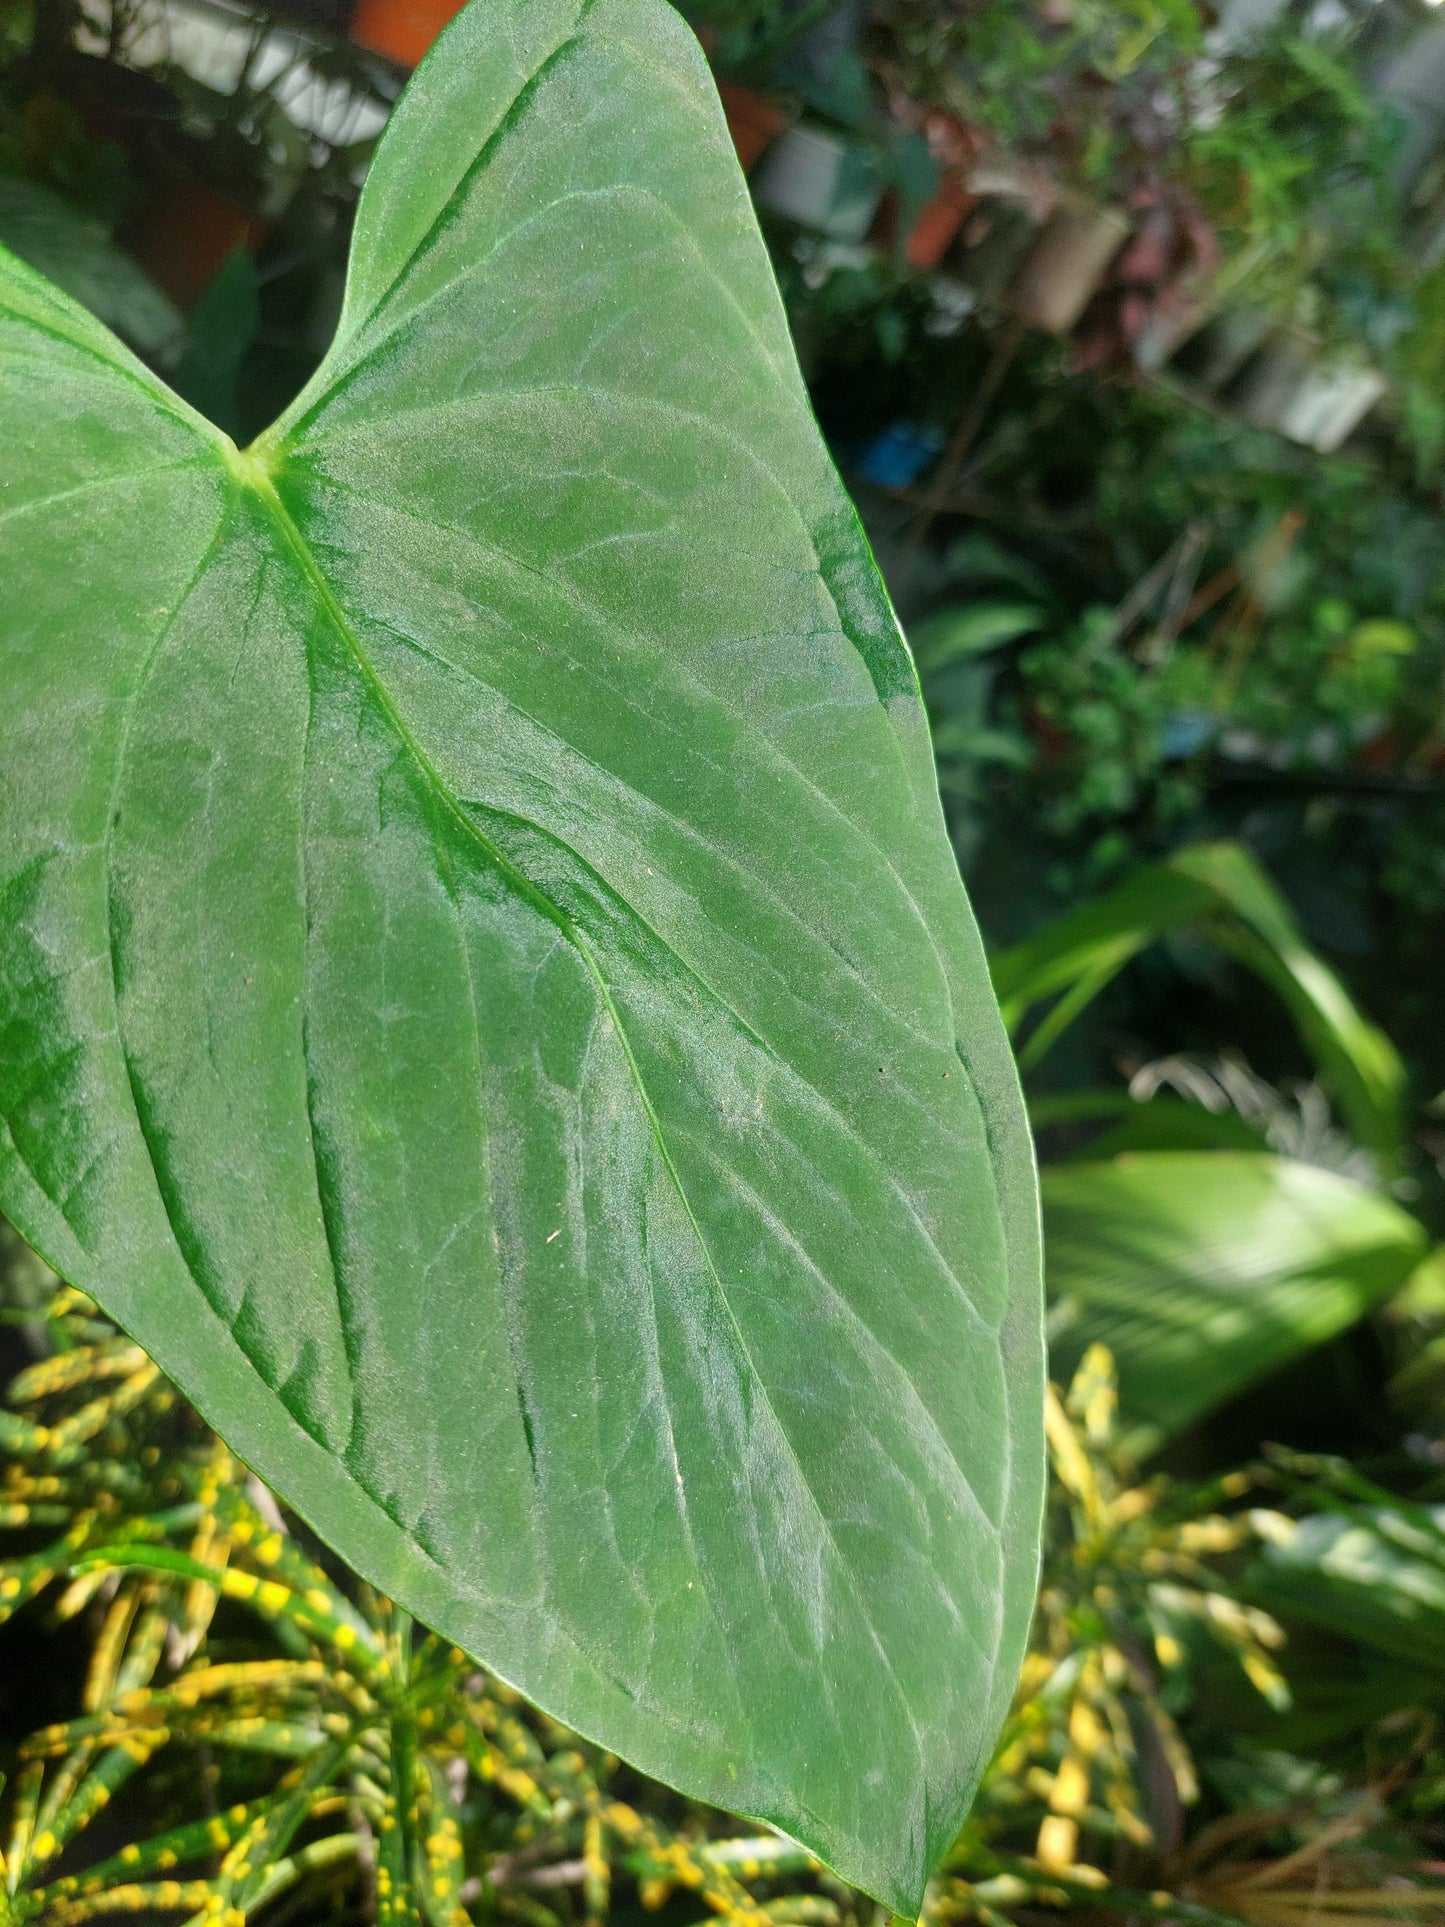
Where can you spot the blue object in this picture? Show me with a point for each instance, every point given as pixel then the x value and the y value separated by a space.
pixel 1184 732
pixel 897 457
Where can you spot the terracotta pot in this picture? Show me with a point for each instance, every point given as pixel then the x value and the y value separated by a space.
pixel 1066 265
pixel 953 148
pixel 403 30
pixel 934 225
pixel 754 122
pixel 184 236
pixel 938 223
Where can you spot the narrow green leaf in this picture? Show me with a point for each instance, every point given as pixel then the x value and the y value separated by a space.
pixel 486 995
pixel 1219 889
pixel 1203 1270
pixel 1096 940
pixel 1375 1576
pixel 1173 1124
pixel 955 635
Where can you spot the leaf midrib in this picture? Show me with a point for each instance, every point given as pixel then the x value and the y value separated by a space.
pixel 253 472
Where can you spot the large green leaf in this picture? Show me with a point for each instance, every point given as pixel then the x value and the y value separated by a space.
pixel 486 995
pixel 1218 889
pixel 1202 1270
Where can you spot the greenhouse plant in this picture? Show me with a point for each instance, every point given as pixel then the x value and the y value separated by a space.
pixel 574 1344
pixel 490 1003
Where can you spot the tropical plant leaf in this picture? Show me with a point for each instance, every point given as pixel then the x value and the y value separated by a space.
pixel 1219 889
pixel 219 334
pixel 1418 1313
pixel 487 999
pixel 1159 1123
pixel 76 252
pixel 972 629
pixel 1376 1575
pixel 1202 1270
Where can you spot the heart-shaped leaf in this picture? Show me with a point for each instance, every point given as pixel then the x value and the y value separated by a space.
pixel 487 1000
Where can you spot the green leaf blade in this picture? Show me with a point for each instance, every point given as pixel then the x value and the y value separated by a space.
pixel 498 985
pixel 1368 1574
pixel 1203 1270
pixel 1220 889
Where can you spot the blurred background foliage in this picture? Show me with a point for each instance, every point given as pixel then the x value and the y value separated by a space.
pixel 1125 321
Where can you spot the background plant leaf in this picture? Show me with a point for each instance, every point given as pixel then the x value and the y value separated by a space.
pixel 1201 1271
pixel 76 252
pixel 1376 1575
pixel 971 629
pixel 1219 889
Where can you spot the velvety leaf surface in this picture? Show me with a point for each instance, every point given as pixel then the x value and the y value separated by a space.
pixel 486 995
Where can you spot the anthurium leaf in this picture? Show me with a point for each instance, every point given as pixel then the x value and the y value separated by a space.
pixel 487 1000
pixel 1202 1270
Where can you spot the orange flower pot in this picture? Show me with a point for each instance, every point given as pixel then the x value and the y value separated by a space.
pixel 754 122
pixel 183 238
pixel 938 223
pixel 403 30
pixel 953 148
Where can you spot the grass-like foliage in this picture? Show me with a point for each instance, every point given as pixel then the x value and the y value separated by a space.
pixel 281 1740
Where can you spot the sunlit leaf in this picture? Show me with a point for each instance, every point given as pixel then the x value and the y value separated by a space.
pixel 1218 889
pixel 1201 1271
pixel 487 998
pixel 1377 1576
